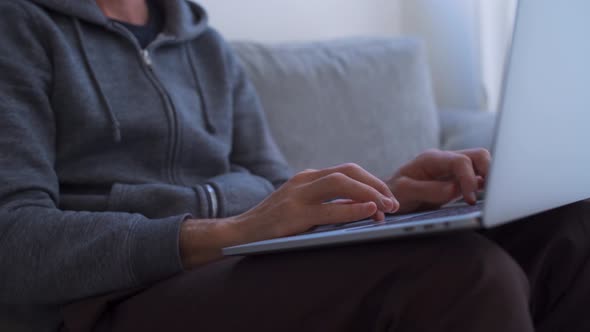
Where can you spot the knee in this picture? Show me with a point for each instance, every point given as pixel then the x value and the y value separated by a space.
pixel 473 284
pixel 564 231
pixel 562 237
pixel 485 269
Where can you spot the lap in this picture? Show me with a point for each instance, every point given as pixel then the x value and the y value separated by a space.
pixel 292 289
pixel 332 289
pixel 346 282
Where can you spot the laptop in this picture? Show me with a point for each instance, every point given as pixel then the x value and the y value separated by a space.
pixel 541 155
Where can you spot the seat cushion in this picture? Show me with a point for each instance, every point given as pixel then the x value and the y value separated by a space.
pixel 367 101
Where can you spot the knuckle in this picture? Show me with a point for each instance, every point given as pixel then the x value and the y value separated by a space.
pixel 467 180
pixel 336 178
pixel 428 154
pixel 302 176
pixel 485 153
pixel 352 167
pixel 297 178
pixel 463 160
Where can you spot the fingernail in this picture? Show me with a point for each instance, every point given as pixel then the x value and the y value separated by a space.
pixel 387 204
pixel 473 197
pixel 371 207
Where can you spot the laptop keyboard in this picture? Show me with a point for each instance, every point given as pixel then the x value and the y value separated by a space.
pixel 448 211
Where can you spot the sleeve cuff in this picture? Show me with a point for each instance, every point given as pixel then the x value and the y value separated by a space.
pixel 154 249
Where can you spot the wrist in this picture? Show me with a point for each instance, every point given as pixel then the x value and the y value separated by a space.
pixel 202 240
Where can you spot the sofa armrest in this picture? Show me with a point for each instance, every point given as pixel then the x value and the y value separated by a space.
pixel 465 129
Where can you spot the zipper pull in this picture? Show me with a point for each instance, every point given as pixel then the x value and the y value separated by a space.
pixel 147 59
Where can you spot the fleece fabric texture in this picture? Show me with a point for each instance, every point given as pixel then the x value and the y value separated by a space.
pixel 105 148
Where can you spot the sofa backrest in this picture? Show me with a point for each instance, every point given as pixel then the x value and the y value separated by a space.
pixel 367 101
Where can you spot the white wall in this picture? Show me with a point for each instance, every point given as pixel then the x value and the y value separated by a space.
pixel 497 24
pixel 451 32
pixel 464 37
pixel 289 20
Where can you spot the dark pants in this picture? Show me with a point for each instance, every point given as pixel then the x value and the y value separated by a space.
pixel 526 276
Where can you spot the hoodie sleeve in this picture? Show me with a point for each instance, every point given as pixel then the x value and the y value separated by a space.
pixel 257 163
pixel 48 255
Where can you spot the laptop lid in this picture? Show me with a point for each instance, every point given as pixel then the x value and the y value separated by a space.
pixel 541 154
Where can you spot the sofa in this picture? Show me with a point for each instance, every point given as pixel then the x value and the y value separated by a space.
pixel 362 100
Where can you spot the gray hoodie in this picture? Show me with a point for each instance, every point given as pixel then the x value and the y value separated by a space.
pixel 106 148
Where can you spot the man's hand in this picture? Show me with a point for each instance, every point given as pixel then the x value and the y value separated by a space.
pixel 308 200
pixel 438 177
pixel 314 197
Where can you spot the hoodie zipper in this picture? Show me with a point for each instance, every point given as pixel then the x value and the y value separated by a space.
pixel 174 131
pixel 147 58
pixel 147 64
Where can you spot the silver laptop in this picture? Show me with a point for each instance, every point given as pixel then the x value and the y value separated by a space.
pixel 541 150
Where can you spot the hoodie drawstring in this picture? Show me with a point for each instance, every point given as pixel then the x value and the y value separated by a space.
pixel 116 126
pixel 207 117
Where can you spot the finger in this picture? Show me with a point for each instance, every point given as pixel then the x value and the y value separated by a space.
pixel 463 172
pixel 481 159
pixel 353 171
pixel 341 186
pixel 437 165
pixel 379 216
pixel 433 164
pixel 340 213
pixel 481 183
pixel 432 193
pixel 342 201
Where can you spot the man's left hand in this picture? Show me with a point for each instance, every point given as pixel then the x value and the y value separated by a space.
pixel 437 177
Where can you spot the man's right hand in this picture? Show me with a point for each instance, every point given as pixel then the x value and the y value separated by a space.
pixel 314 197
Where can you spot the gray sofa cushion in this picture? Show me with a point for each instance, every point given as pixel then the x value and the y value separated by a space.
pixel 367 101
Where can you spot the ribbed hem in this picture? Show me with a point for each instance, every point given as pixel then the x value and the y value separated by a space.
pixel 154 249
pixel 239 192
pixel 202 204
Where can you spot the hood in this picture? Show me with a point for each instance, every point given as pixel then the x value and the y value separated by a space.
pixel 185 20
